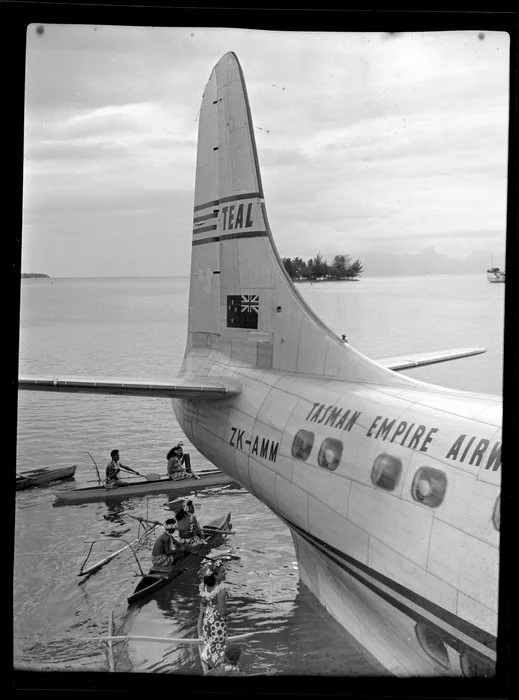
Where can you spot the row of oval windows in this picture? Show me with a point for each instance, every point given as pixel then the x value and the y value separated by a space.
pixel 428 487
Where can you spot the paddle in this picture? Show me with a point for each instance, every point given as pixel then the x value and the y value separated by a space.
pixel 144 520
pixel 150 476
pixel 226 557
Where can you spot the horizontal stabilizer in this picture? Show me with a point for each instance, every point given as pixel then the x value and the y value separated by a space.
pixel 397 364
pixel 202 388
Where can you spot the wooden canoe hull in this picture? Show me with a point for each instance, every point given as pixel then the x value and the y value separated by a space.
pixel 142 488
pixel 155 580
pixel 38 477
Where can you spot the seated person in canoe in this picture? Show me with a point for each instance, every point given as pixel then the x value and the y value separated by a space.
pixel 176 469
pixel 189 530
pixel 179 464
pixel 165 545
pixel 112 471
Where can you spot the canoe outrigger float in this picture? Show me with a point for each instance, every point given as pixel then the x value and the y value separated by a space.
pixel 207 479
pixel 44 475
pixel 112 637
pixel 160 576
pixel 148 527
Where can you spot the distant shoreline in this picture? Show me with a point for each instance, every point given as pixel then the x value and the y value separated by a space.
pixel 340 279
pixel 158 277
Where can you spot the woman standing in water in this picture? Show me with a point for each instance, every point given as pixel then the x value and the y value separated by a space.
pixel 212 620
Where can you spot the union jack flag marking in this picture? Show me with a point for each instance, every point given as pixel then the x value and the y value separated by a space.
pixel 250 303
pixel 243 311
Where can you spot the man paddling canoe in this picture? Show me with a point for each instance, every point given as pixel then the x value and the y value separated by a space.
pixel 112 471
pixel 165 545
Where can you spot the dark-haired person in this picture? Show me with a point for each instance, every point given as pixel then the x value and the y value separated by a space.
pixel 179 463
pixel 112 471
pixel 212 619
pixel 165 545
pixel 189 530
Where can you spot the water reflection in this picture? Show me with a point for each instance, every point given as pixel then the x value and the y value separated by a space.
pixel 114 513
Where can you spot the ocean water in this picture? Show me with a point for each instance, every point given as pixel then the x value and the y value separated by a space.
pixel 136 328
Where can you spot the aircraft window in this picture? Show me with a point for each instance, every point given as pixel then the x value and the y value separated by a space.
pixel 386 472
pixel 432 644
pixel 496 516
pixel 302 445
pixel 429 486
pixel 330 453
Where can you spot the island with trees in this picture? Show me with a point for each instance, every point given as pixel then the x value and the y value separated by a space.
pixel 33 275
pixel 342 268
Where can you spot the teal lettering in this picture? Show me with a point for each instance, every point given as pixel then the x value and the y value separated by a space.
pixel 239 217
pixel 248 222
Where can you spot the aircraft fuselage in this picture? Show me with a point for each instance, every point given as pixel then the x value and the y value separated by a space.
pixel 343 464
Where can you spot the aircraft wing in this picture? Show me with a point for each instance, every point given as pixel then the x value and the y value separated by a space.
pixel 397 364
pixel 202 388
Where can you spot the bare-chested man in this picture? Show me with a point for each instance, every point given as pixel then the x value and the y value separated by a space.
pixel 165 545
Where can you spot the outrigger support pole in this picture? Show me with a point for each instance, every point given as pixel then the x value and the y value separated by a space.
pixel 111 539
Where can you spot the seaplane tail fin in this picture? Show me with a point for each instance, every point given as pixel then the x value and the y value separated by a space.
pixel 207 389
pixel 243 304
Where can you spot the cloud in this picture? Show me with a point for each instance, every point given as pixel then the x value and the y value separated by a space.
pixel 366 137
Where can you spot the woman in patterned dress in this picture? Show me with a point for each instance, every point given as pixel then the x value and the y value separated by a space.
pixel 212 620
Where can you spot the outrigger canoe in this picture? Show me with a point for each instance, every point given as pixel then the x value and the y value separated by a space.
pixel 206 479
pixel 44 475
pixel 161 576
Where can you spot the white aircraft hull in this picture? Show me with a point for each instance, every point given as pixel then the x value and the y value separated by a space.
pixel 378 626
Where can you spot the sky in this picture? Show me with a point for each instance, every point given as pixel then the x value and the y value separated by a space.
pixel 367 142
